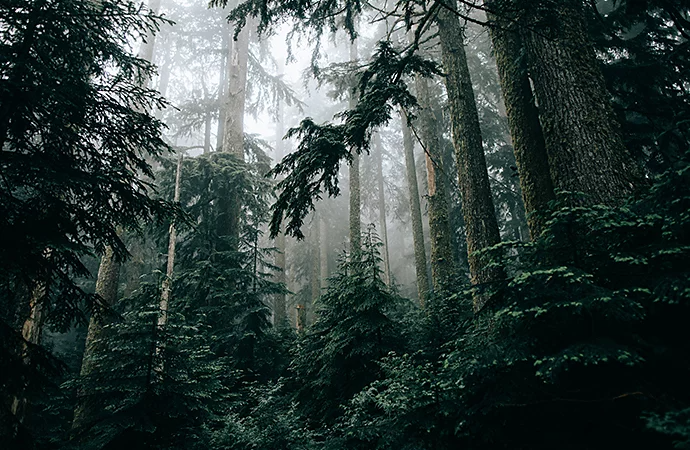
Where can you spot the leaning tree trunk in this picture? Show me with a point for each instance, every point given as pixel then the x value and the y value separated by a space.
pixel 523 120
pixel 416 214
pixel 585 151
pixel 378 160
pixel 106 287
pixel 88 405
pixel 443 269
pixel 477 205
pixel 166 289
pixel 355 191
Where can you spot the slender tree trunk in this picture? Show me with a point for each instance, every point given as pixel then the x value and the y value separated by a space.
pixel 279 300
pixel 222 88
pixel 315 263
pixel 355 191
pixel 477 205
pixel 416 213
pixel 166 289
pixel 207 134
pixel 585 151
pixel 378 160
pixel 443 269
pixel 323 251
pixel 523 120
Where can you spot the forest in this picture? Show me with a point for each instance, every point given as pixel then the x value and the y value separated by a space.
pixel 344 224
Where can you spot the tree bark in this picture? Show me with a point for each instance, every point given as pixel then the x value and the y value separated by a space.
pixel 477 205
pixel 323 251
pixel 523 120
pixel 222 88
pixel 585 151
pixel 378 160
pixel 166 289
pixel 106 288
pixel 233 134
pixel 416 213
pixel 279 300
pixel 443 269
pixel 355 191
pixel 31 332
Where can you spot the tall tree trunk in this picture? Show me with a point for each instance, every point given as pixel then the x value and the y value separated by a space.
pixel 315 263
pixel 585 151
pixel 523 120
pixel 279 300
pixel 378 160
pixel 166 289
pixel 416 213
pixel 323 251
pixel 443 269
pixel 222 87
pixel 355 191
pixel 233 134
pixel 477 205
pixel 106 286
pixel 107 282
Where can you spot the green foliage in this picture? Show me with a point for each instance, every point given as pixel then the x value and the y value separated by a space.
pixel 644 48
pixel 312 170
pixel 586 340
pixel 355 328
pixel 74 141
pixel 154 386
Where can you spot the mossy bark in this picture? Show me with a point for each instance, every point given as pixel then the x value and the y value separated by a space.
pixel 477 205
pixel 443 270
pixel 523 121
pixel 585 151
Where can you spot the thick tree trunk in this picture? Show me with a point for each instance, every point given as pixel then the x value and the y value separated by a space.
pixel 416 214
pixel 443 269
pixel 523 120
pixel 378 160
pixel 477 205
pixel 585 151
pixel 355 191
